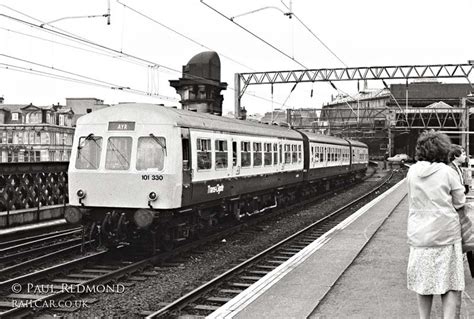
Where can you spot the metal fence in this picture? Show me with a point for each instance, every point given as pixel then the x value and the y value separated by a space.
pixel 32 185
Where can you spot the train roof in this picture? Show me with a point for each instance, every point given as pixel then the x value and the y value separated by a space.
pixel 358 143
pixel 314 137
pixel 160 115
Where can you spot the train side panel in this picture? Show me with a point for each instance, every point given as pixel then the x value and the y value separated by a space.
pixel 229 164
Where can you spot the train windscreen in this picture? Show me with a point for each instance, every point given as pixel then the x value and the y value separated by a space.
pixel 151 153
pixel 118 154
pixel 88 152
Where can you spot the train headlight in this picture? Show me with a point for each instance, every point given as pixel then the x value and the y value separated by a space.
pixel 73 215
pixel 152 196
pixel 143 218
pixel 81 194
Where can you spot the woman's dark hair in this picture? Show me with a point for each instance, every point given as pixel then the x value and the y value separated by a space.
pixel 433 147
pixel 456 151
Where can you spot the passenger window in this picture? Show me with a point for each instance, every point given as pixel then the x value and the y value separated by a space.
pixel 281 153
pixel 119 150
pixel 275 154
pixel 151 153
pixel 287 154
pixel 267 156
pixel 245 154
pixel 88 152
pixel 299 153
pixel 294 154
pixel 257 154
pixel 203 147
pixel 221 154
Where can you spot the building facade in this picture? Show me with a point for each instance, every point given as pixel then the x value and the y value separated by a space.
pixel 390 120
pixel 30 133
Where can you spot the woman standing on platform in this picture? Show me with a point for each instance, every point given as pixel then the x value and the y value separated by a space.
pixel 435 264
pixel 457 157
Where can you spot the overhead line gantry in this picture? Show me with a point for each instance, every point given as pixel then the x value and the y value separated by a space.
pixel 401 72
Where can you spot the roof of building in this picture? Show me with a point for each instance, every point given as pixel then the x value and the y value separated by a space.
pixel 439 105
pixel 21 107
pixel 12 107
pixel 366 94
pixel 431 90
pixel 205 64
pixel 65 109
pixel 83 98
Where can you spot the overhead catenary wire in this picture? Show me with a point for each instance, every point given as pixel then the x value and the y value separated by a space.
pixel 120 54
pixel 253 34
pixel 76 74
pixel 180 34
pixel 85 41
pixel 72 46
pixel 348 95
pixel 314 35
pixel 81 79
pixel 290 14
pixel 396 102
pixel 38 20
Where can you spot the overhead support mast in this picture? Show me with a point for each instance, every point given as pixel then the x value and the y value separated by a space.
pixel 427 71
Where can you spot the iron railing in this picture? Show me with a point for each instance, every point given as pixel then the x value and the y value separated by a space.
pixel 32 185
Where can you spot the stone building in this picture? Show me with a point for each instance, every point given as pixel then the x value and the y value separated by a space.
pixel 200 85
pixel 30 133
pixel 390 120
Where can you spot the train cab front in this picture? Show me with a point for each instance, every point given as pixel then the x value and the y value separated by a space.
pixel 119 181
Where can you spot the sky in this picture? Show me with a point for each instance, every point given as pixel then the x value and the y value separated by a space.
pixel 162 36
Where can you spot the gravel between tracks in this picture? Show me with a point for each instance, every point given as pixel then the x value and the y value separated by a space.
pixel 196 269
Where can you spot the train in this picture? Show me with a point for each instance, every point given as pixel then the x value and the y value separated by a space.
pixel 158 175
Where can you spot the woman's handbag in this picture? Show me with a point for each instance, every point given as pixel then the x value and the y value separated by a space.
pixel 467 232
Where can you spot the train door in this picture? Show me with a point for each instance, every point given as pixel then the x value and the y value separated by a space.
pixel 186 164
pixel 235 159
pixel 350 154
pixel 280 155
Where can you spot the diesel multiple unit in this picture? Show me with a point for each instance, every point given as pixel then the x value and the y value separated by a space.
pixel 149 173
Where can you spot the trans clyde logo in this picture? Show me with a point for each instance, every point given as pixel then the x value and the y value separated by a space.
pixel 219 188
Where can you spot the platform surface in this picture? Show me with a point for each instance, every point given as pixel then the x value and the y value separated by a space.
pixel 356 271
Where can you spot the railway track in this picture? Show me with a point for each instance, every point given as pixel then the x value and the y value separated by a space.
pixel 210 296
pixel 67 284
pixel 19 243
pixel 88 271
pixel 16 255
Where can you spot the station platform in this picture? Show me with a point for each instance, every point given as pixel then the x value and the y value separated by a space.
pixel 356 270
pixel 29 227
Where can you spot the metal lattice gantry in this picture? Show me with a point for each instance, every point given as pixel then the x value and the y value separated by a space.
pixel 405 72
pixel 439 118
